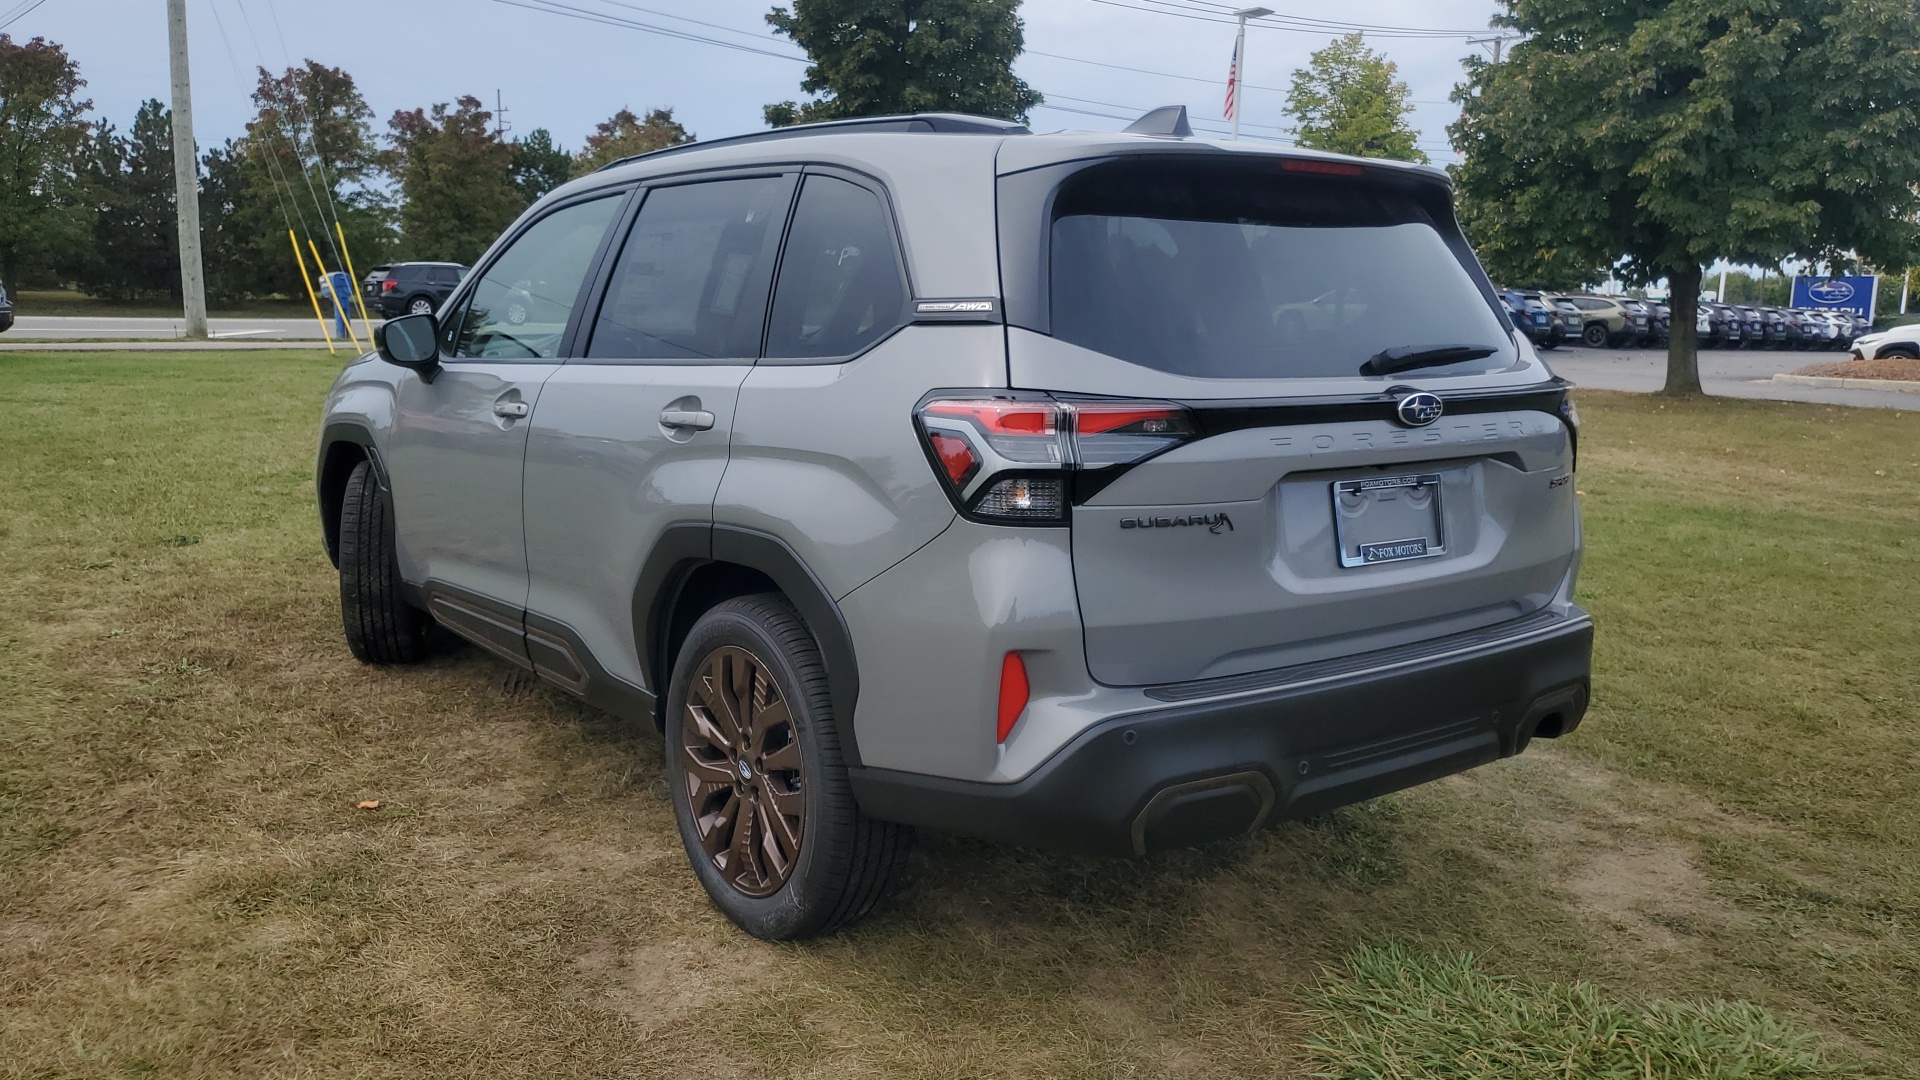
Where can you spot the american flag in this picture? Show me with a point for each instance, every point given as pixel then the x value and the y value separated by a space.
pixel 1233 82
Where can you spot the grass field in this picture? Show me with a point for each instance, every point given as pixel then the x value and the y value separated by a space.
pixel 1715 876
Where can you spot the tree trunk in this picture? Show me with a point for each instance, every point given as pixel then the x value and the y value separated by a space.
pixel 1683 333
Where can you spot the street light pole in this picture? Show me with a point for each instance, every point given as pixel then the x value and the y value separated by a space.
pixel 1240 61
pixel 186 176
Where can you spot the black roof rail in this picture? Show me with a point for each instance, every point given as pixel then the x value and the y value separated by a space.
pixel 947 123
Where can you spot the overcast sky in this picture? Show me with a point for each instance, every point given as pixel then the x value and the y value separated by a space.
pixel 567 74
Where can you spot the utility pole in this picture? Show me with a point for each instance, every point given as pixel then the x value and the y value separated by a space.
pixel 1240 60
pixel 186 176
pixel 1498 41
pixel 500 125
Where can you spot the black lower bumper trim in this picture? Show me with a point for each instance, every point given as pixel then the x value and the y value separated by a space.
pixel 1200 771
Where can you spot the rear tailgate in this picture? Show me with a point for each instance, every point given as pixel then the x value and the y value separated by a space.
pixel 1258 548
pixel 1310 515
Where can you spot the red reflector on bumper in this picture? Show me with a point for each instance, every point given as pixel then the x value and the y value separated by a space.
pixel 1013 694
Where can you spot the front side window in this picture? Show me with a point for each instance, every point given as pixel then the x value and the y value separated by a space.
pixel 841 287
pixel 692 279
pixel 518 310
pixel 1234 270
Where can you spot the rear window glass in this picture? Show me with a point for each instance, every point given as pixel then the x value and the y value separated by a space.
pixel 1238 271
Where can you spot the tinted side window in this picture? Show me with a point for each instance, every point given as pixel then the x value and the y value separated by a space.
pixel 841 287
pixel 445 275
pixel 692 280
pixel 518 309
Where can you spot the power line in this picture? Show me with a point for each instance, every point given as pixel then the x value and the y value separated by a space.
pixel 1185 78
pixel 553 7
pixel 1289 23
pixel 1276 19
pixel 19 12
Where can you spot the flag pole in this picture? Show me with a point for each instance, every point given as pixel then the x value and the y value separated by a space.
pixel 1237 77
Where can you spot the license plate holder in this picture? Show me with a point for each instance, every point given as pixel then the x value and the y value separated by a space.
pixel 1384 519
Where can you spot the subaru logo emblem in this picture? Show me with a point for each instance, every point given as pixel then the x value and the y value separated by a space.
pixel 1419 409
pixel 1830 292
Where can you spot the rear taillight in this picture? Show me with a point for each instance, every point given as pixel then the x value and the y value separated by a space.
pixel 387 286
pixel 1022 459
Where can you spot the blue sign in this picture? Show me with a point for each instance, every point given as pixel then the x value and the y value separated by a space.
pixel 1855 294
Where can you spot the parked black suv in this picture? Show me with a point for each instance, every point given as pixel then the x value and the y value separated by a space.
pixel 6 309
pixel 414 288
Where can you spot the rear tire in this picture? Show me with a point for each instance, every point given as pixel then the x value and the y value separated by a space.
pixel 1595 336
pixel 759 788
pixel 420 305
pixel 381 627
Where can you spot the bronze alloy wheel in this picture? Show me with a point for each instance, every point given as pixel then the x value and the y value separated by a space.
pixel 741 757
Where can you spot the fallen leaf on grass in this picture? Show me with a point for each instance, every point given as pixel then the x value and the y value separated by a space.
pixel 367 804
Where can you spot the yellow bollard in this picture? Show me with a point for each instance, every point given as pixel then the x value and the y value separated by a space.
pixel 302 260
pixel 365 323
pixel 344 321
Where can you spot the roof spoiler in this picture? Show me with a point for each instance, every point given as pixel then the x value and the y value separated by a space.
pixel 1165 120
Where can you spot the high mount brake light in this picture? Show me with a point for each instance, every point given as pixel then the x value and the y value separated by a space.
pixel 1324 168
pixel 1013 459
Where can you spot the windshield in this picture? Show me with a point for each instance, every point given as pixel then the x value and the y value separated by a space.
pixel 1245 271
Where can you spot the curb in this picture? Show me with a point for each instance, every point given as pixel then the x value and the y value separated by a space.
pixel 1898 386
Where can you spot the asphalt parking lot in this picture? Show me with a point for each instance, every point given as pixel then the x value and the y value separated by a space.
pixel 1725 372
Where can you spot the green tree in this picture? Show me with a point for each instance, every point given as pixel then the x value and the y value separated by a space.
pixel 539 164
pixel 456 181
pixel 1648 138
pixel 237 227
pixel 881 57
pixel 625 135
pixel 1349 101
pixel 310 158
pixel 135 250
pixel 1767 290
pixel 44 215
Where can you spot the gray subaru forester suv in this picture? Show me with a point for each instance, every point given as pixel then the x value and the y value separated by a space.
pixel 1098 492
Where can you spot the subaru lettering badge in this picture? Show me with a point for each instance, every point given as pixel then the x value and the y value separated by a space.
pixel 1830 292
pixel 1420 409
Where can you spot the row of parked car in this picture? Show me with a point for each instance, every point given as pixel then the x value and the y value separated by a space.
pixel 1551 319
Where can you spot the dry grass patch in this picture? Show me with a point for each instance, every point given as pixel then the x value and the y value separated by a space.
pixel 187 888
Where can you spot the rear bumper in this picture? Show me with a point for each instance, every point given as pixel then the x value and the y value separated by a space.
pixel 1203 770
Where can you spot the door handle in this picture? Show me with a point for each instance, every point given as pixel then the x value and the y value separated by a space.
pixel 511 410
pixel 693 419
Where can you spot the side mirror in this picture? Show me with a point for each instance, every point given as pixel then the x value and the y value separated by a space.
pixel 411 341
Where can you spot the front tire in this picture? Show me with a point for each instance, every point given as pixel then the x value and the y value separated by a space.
pixel 759 788
pixel 381 627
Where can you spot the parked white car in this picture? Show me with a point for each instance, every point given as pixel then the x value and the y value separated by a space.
pixel 1901 342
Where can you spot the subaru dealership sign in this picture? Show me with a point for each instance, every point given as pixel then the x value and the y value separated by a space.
pixel 1855 294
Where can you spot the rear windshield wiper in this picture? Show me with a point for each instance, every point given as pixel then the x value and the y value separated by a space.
pixel 1406 358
